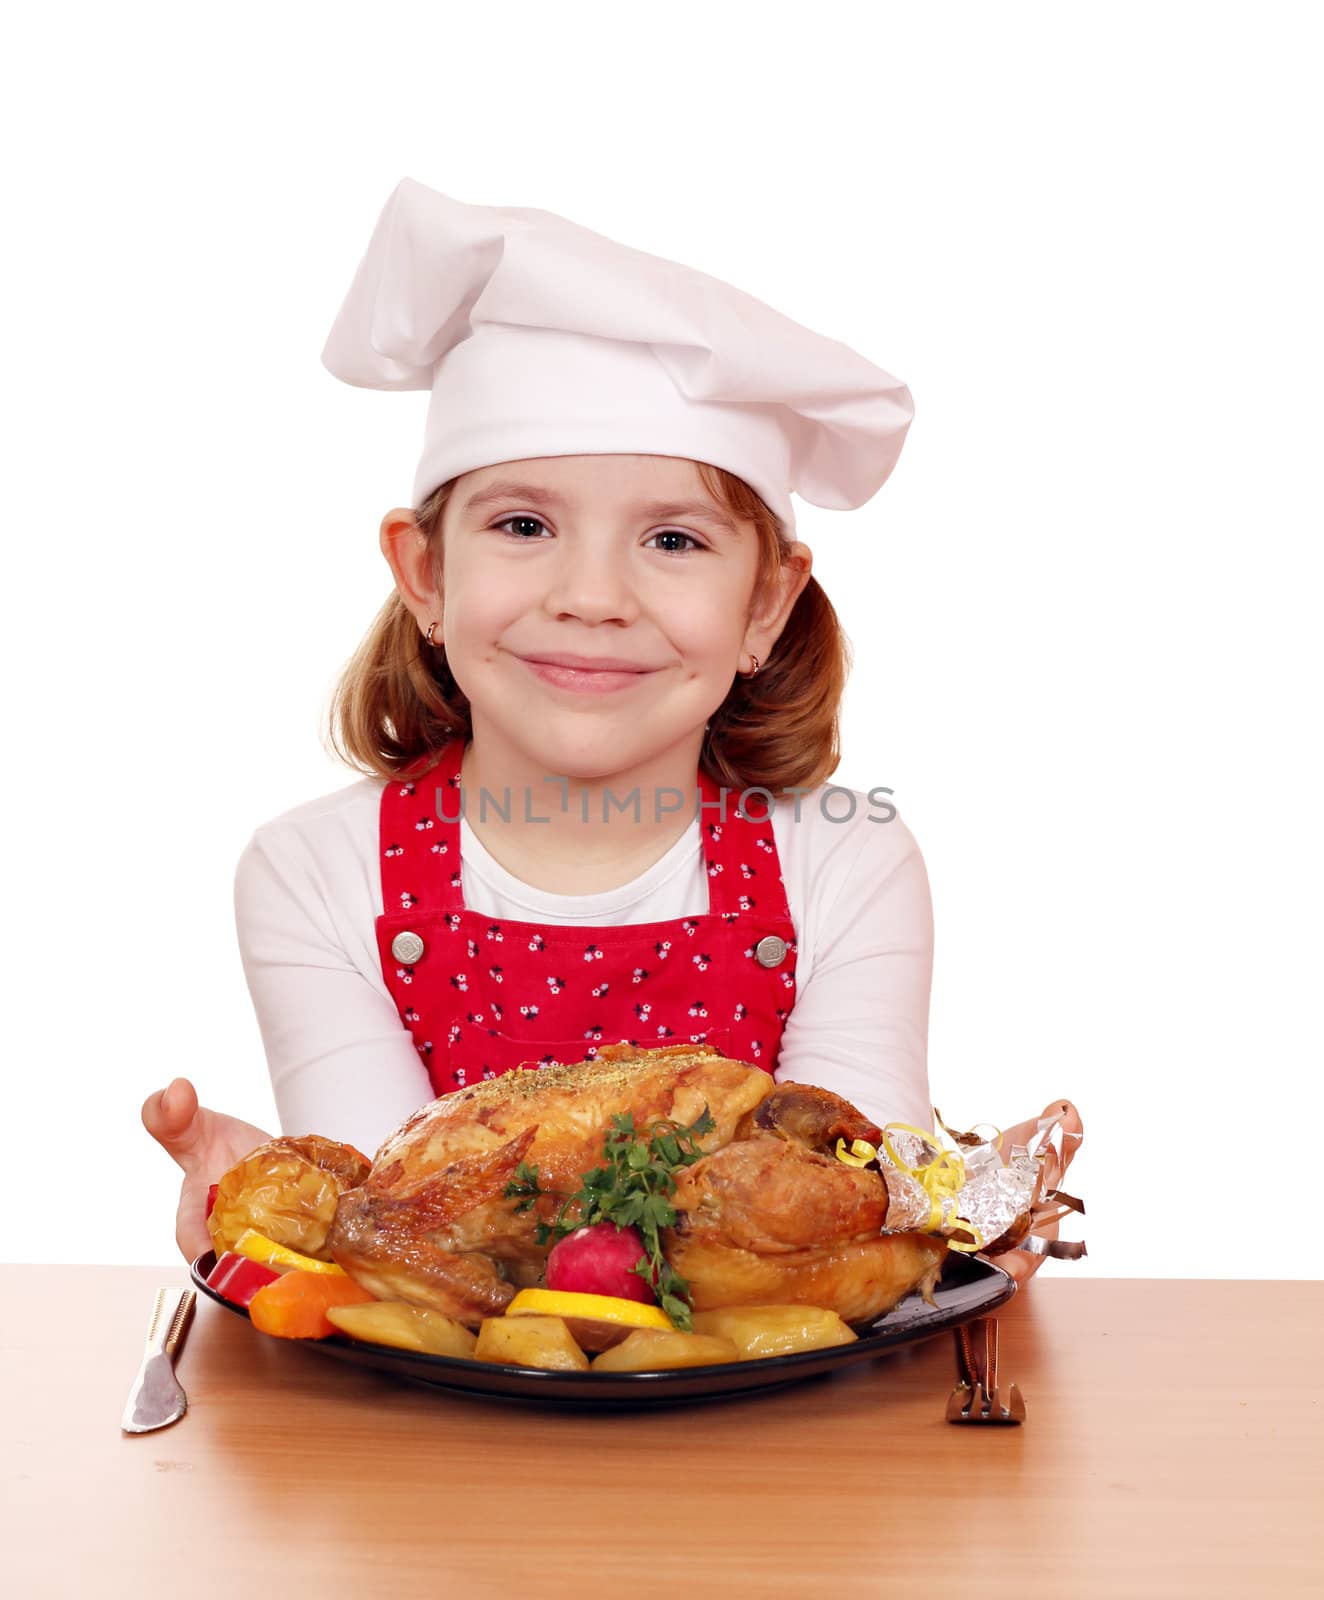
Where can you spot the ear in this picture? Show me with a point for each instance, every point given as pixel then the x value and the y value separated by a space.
pixel 766 625
pixel 405 548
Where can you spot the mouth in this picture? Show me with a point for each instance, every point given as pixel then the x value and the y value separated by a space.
pixel 586 676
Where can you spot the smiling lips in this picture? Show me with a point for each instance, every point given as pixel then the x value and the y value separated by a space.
pixel 587 674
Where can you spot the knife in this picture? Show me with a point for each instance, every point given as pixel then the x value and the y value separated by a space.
pixel 156 1398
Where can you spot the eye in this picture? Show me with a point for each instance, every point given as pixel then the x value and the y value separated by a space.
pixel 678 533
pixel 520 517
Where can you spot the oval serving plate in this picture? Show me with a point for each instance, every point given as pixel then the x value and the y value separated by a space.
pixel 969 1287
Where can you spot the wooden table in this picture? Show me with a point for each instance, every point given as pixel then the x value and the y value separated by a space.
pixel 1173 1447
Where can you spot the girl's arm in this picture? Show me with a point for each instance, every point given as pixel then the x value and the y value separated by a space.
pixel 342 1063
pixel 860 1022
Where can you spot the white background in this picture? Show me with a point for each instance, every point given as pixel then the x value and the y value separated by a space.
pixel 1085 607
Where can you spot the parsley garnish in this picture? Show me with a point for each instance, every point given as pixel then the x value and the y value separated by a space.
pixel 631 1189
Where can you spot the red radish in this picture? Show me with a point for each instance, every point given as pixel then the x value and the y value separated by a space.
pixel 597 1260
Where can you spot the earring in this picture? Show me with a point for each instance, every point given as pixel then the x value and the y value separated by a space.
pixel 754 669
pixel 429 637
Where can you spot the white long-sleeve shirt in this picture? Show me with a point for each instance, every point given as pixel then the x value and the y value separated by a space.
pixel 308 893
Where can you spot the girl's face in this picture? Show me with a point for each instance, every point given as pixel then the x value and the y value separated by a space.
pixel 618 560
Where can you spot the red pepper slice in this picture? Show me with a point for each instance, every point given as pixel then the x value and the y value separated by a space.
pixel 238 1278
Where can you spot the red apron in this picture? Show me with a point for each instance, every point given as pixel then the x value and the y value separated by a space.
pixel 481 997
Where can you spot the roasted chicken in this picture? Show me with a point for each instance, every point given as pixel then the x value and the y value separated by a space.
pixel 430 1223
pixel 766 1215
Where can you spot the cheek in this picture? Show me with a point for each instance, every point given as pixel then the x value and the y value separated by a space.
pixel 478 611
pixel 707 629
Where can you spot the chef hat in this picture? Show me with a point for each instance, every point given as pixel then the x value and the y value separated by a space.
pixel 538 337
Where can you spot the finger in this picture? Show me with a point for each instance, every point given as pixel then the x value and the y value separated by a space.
pixel 171 1116
pixel 1019 1263
pixel 1072 1127
pixel 156 1111
pixel 193 1240
pixel 191 1233
pixel 1067 1113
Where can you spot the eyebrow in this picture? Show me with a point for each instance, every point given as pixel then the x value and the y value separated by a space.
pixel 509 489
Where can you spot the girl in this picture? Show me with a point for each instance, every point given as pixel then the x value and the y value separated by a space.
pixel 595 717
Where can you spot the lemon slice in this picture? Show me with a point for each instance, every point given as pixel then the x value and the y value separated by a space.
pixel 596 1321
pixel 257 1247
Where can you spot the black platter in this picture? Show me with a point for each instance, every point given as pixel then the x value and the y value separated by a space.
pixel 969 1287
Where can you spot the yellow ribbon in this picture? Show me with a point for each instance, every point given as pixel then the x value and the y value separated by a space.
pixel 860 1154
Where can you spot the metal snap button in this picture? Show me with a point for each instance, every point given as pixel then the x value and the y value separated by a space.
pixel 770 952
pixel 406 948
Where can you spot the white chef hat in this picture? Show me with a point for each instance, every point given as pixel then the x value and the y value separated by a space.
pixel 538 337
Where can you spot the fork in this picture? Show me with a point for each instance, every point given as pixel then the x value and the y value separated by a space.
pixel 975 1397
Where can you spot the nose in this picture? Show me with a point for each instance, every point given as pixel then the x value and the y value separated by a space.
pixel 591 581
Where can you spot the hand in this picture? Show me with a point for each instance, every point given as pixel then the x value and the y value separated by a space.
pixel 1019 1263
pixel 205 1144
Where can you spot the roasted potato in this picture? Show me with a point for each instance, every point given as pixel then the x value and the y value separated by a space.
pixel 774 1330
pixel 405 1328
pixel 652 1350
pixel 529 1342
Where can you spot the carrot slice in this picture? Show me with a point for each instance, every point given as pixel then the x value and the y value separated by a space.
pixel 295 1305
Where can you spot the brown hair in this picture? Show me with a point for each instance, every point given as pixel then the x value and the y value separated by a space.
pixel 396 702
